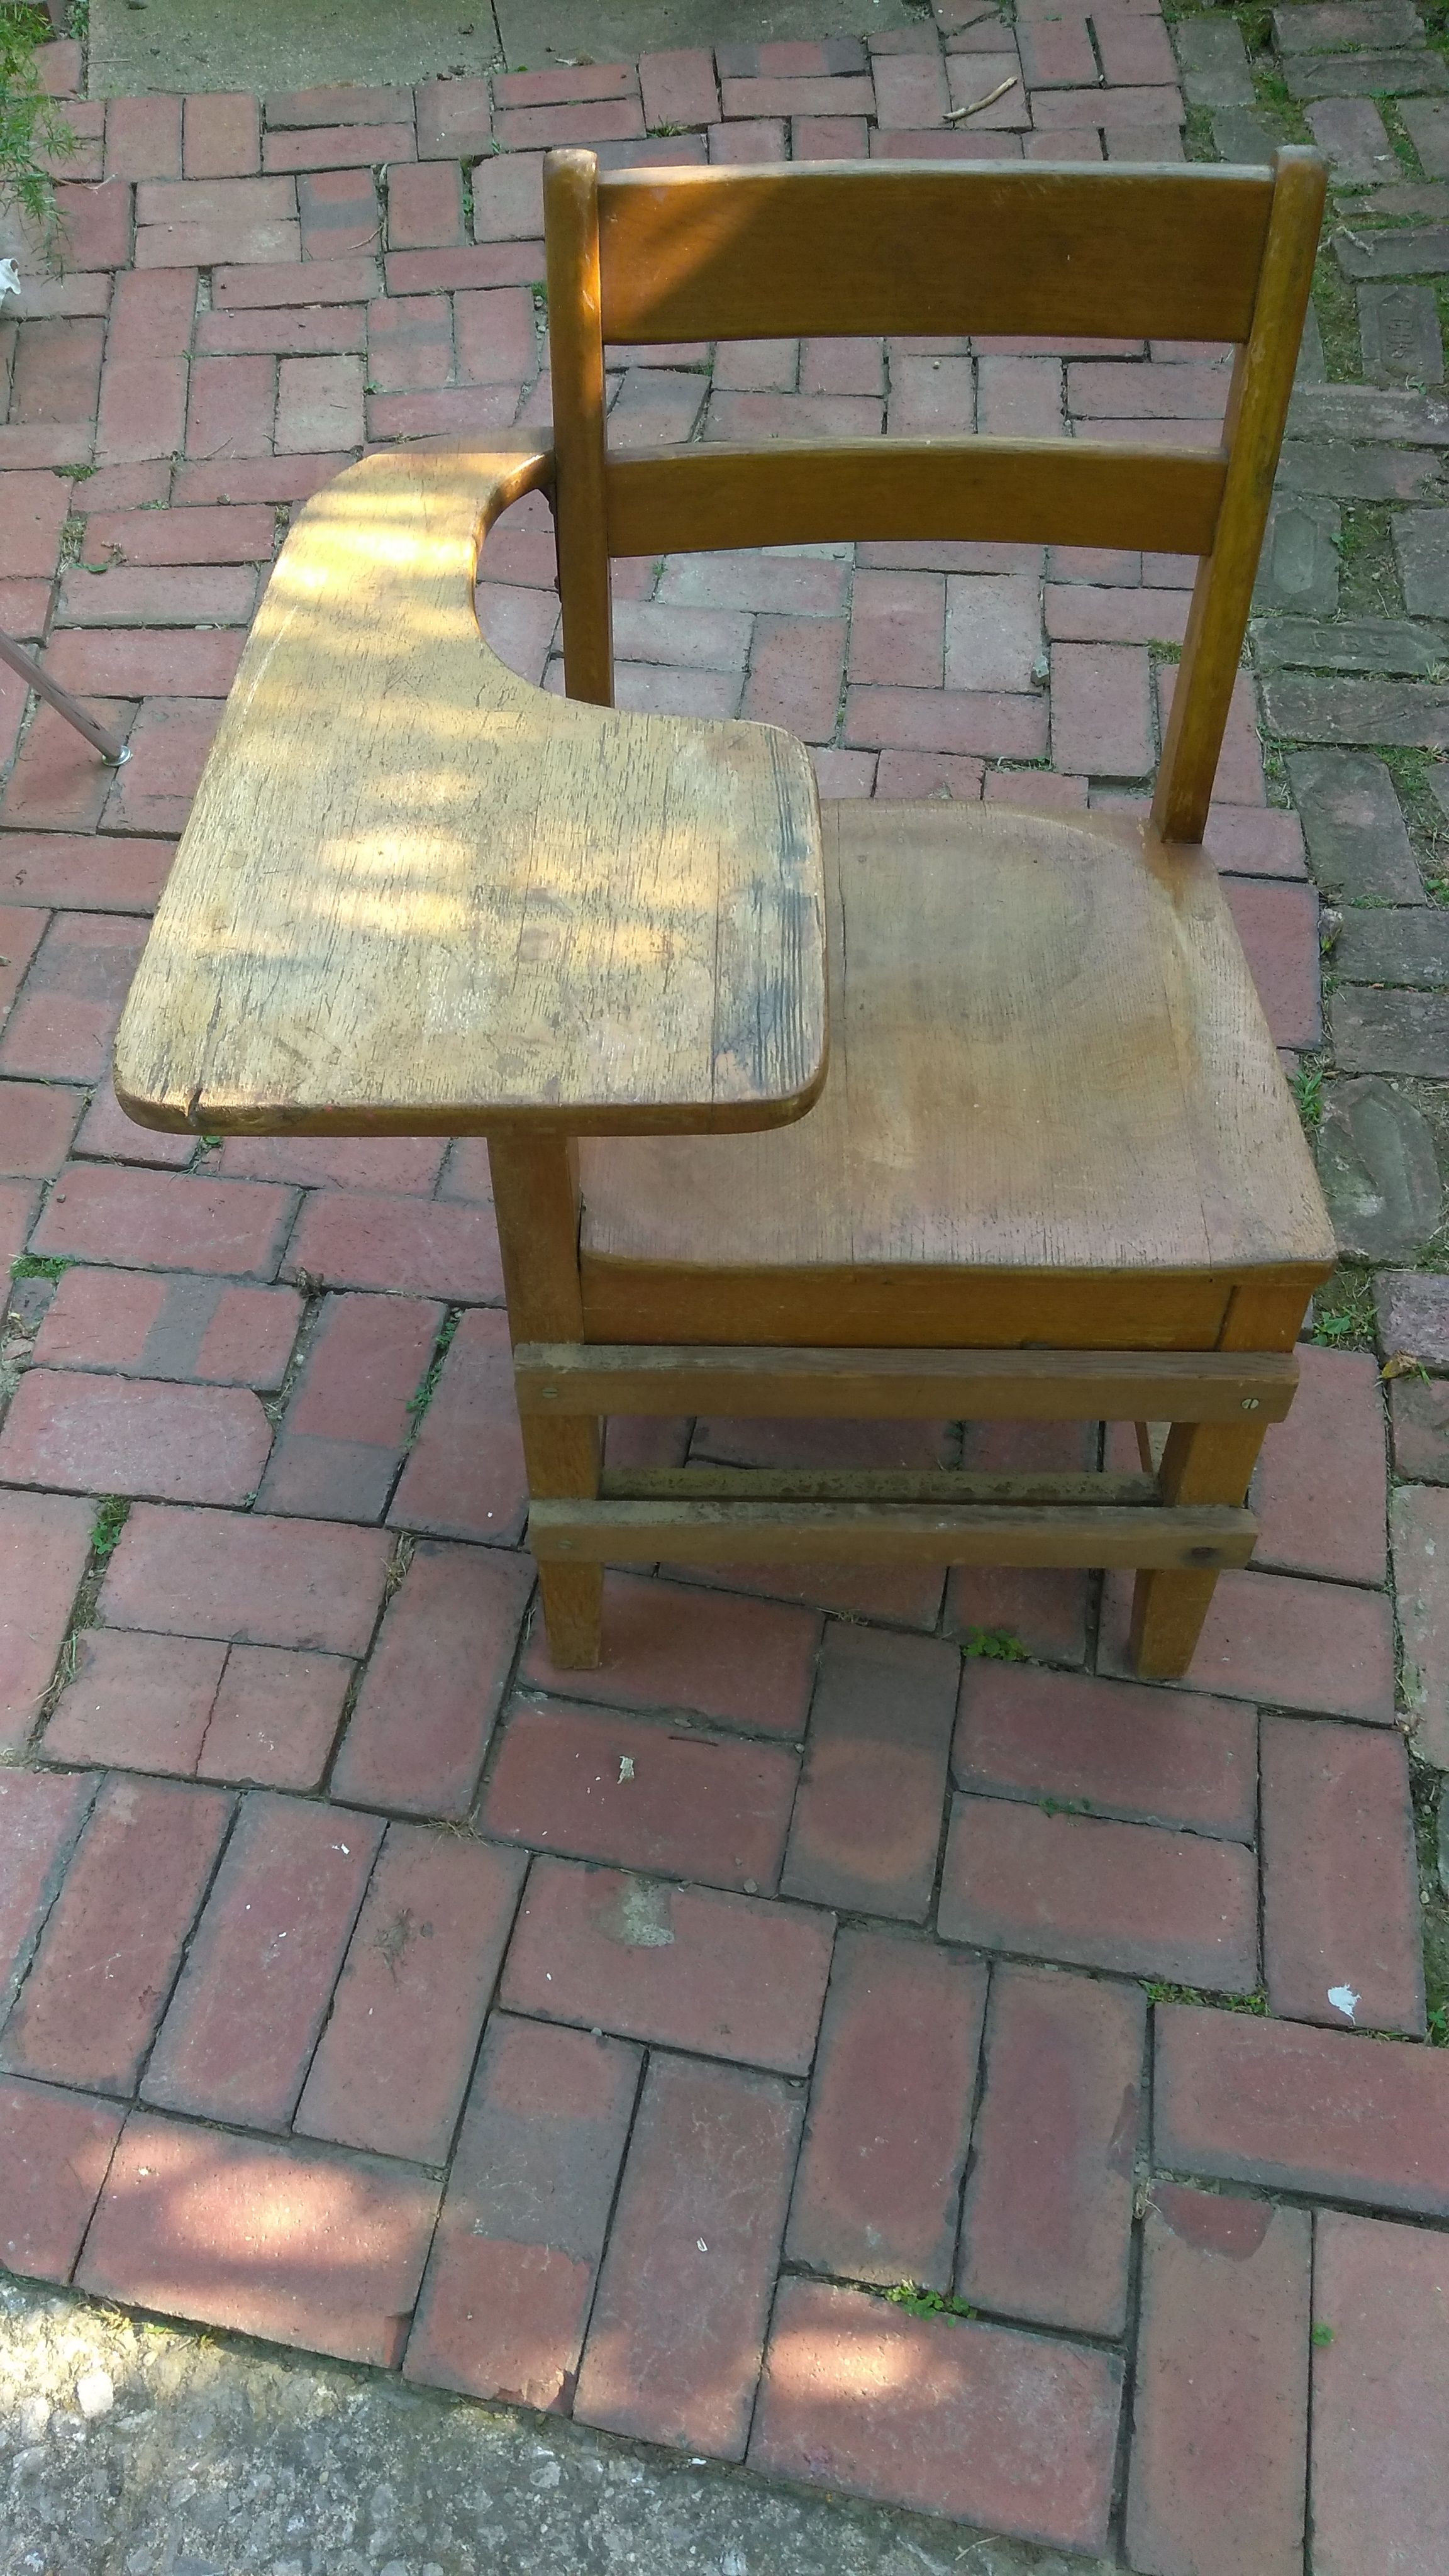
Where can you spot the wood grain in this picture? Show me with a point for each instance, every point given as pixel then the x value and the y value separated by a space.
pixel 930 247
pixel 1043 491
pixel 576 358
pixel 865 1534
pixel 906 1385
pixel 418 896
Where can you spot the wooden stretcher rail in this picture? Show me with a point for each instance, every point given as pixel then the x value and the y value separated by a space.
pixel 1202 1538
pixel 1047 491
pixel 933 248
pixel 976 1386
pixel 868 1484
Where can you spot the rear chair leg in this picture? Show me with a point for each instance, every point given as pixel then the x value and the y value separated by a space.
pixel 1203 1462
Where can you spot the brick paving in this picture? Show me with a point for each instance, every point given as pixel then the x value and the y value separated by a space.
pixel 613 2043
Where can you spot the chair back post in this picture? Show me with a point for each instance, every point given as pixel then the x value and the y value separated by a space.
pixel 1258 398
pixel 576 349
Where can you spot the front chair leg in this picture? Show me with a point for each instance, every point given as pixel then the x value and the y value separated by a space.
pixel 1203 1462
pixel 564 1458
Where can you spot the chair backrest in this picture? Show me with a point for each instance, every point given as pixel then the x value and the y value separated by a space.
pixel 933 250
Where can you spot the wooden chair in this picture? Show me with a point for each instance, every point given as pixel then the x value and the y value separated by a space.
pixel 920 1110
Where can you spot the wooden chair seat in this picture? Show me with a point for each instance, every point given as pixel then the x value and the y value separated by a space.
pixel 1053 1113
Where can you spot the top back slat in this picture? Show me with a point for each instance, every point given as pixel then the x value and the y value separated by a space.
pixel 933 250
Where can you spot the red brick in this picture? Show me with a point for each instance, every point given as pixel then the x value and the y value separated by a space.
pixel 410 342
pixel 169 743
pixel 507 263
pixel 41 1813
pixel 1055 111
pixel 1285 2107
pixel 1278 926
pixel 170 1328
pixel 596 121
pixel 79 874
pixel 1044 1609
pixel 427 1706
pixel 159 595
pixel 221 136
pixel 296 2244
pixel 348 280
pixel 17 1212
pixel 828 138
pixel 844 773
pixel 1126 1897
pixel 128 658
pixel 274 1718
pixel 348 1419
pixel 57 370
pixel 337 147
pixel 393 2063
pixel 897 628
pixel 140 1703
pixel 291 331
pixel 496 343
pixel 69 443
pixel 1320 1490
pixel 114 1938
pixel 66 1017
pixel 424 205
pixel 1419 1411
pixel 1149 393
pixel 678 88
pixel 909 1597
pixel 981 2423
pixel 263 1582
pixel 520 624
pixel 24 931
pixel 1077 612
pixel 143 138
pixel 1317 1646
pixel 910 89
pixel 319 405
pixel 507 2294
pixel 205 242
pixel 757 417
pixel 691 1806
pixel 1380 2384
pixel 971 720
pixel 993 631
pixel 153 1220
pixel 54 2151
pixel 1057 54
pixel 1048 2212
pixel 233 401
pixel 24 606
pixel 1100 710
pixel 868 1818
pixel 740 1663
pixel 679 2320
pixel 465 1476
pixel 841 96
pixel 44 1544
pixel 890 2112
pixel 454 119
pixel 1037 790
pixel 1340 1889
pixel 239 2035
pixel 341 216
pixel 1239 777
pixel 508 198
pixel 1251 841
pixel 842 366
pixel 726 1976
pixel 108 1135
pixel 58 781
pixel 356 1239
pixel 1114 1748
pixel 452 413
pixel 1220 2410
pixel 37 1122
pixel 35 513
pixel 757 366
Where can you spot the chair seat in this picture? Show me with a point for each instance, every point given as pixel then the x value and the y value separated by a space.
pixel 1053 1113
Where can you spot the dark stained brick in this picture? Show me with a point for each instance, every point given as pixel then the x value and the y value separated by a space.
pixel 867 1823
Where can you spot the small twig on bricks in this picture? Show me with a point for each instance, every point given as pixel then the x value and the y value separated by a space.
pixel 954 115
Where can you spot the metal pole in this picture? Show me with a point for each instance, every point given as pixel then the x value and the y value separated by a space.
pixel 61 699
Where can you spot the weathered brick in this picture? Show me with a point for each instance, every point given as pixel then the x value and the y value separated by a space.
pixel 678 88
pixel 709 1809
pixel 164 595
pixel 79 874
pixel 274 1718
pixel 140 1703
pixel 1419 1522
pixel 1317 1646
pixel 393 2063
pixel 340 215
pixel 44 1543
pixel 890 2112
pixel 37 1122
pixel 339 147
pixel 1320 1488
pixel 1046 2225
pixel 221 135
pixel 355 1239
pixel 678 2326
pixel 161 1220
pixel 35 513
pixel 193 665
pixel 508 2289
pixel 262 1582
pixel 1341 1931
pixel 989 2426
pixel 1419 1413
pixel 1380 1177
pixel 239 2034
pixel 108 1135
pixel 425 1712
pixel 424 205
pixel 169 743
pixel 1380 2378
pixel 1220 2412
pixel 143 138
pixel 1114 1748
pixel 296 2244
pixel 1288 2108
pixel 1127 1897
pixel 348 1418
pixel 454 119
pixel 41 1813
pixel 725 1976
pixel 178 1327
pixel 57 370
pixel 738 1662
pixel 994 724
pixel 54 2151
pixel 89 1434
pixel 339 280
pixel 867 1821
pixel 114 1938
pixel 464 1477
pixel 66 1017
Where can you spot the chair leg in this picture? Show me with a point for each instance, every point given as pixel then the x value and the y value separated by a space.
pixel 1203 1462
pixel 573 1615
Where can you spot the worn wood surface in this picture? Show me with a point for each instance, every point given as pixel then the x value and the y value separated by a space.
pixel 418 896
pixel 1047 491
pixel 536 1203
pixel 905 1385
pixel 576 361
pixel 868 1484
pixel 931 247
pixel 867 1534
pixel 1047 1058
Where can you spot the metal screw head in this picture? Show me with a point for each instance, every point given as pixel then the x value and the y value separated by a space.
pixel 1250 1404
